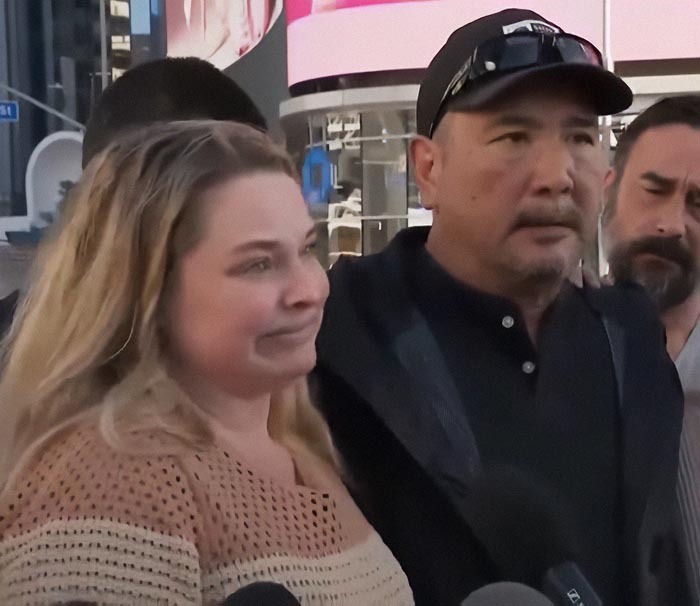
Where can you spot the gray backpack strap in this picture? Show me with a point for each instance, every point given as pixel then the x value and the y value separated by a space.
pixel 420 354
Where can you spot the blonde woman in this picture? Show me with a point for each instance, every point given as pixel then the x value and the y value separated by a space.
pixel 158 443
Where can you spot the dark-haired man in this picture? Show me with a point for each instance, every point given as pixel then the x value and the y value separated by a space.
pixel 651 234
pixel 168 89
pixel 463 348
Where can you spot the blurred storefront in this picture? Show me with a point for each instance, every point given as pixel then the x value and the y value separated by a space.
pixel 56 57
pixel 61 54
pixel 353 147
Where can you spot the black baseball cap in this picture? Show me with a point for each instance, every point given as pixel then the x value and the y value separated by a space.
pixel 607 92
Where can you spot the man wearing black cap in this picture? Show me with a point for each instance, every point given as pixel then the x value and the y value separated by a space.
pixel 463 349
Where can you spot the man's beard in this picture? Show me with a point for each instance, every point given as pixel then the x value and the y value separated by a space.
pixel 667 286
pixel 554 270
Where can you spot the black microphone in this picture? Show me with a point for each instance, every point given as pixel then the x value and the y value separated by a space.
pixel 262 593
pixel 568 583
pixel 522 523
pixel 506 594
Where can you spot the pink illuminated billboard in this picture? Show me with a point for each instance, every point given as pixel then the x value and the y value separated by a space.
pixel 644 30
pixel 296 9
pixel 337 37
pixel 220 31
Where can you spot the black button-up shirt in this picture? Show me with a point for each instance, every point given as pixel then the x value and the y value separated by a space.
pixel 549 409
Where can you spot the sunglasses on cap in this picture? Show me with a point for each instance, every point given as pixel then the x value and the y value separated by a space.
pixel 515 52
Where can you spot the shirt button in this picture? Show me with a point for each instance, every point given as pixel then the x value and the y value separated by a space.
pixel 528 367
pixel 507 322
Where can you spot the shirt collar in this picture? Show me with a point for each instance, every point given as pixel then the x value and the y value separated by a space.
pixel 448 296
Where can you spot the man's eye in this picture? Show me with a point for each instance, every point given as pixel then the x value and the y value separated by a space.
pixel 511 137
pixel 583 138
pixel 310 248
pixel 516 137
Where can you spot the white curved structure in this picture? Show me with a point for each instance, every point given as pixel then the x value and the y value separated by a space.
pixel 57 158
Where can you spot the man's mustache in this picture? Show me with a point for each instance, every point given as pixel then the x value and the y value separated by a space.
pixel 565 217
pixel 669 248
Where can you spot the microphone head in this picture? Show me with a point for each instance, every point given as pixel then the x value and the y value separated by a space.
pixel 506 594
pixel 522 522
pixel 262 593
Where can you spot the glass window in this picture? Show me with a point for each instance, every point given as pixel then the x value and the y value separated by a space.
pixel 364 158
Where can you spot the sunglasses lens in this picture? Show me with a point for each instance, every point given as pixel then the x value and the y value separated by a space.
pixel 519 51
pixel 575 51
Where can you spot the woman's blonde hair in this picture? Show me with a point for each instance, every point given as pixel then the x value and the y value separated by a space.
pixel 85 344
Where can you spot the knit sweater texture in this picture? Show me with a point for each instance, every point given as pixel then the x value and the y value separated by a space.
pixel 85 522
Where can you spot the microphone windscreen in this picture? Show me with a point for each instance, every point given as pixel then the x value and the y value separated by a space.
pixel 506 594
pixel 262 593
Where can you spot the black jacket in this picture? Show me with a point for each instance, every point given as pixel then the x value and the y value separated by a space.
pixel 409 453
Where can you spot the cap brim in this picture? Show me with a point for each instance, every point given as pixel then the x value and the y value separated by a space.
pixel 606 92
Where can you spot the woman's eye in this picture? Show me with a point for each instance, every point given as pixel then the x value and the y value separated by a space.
pixel 310 248
pixel 259 266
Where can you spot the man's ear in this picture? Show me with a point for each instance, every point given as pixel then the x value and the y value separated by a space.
pixel 608 184
pixel 427 160
pixel 610 177
pixel 609 202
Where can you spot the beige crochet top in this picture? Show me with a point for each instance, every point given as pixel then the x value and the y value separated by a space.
pixel 88 523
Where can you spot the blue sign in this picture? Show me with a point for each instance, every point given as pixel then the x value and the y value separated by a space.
pixel 9 111
pixel 317 176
